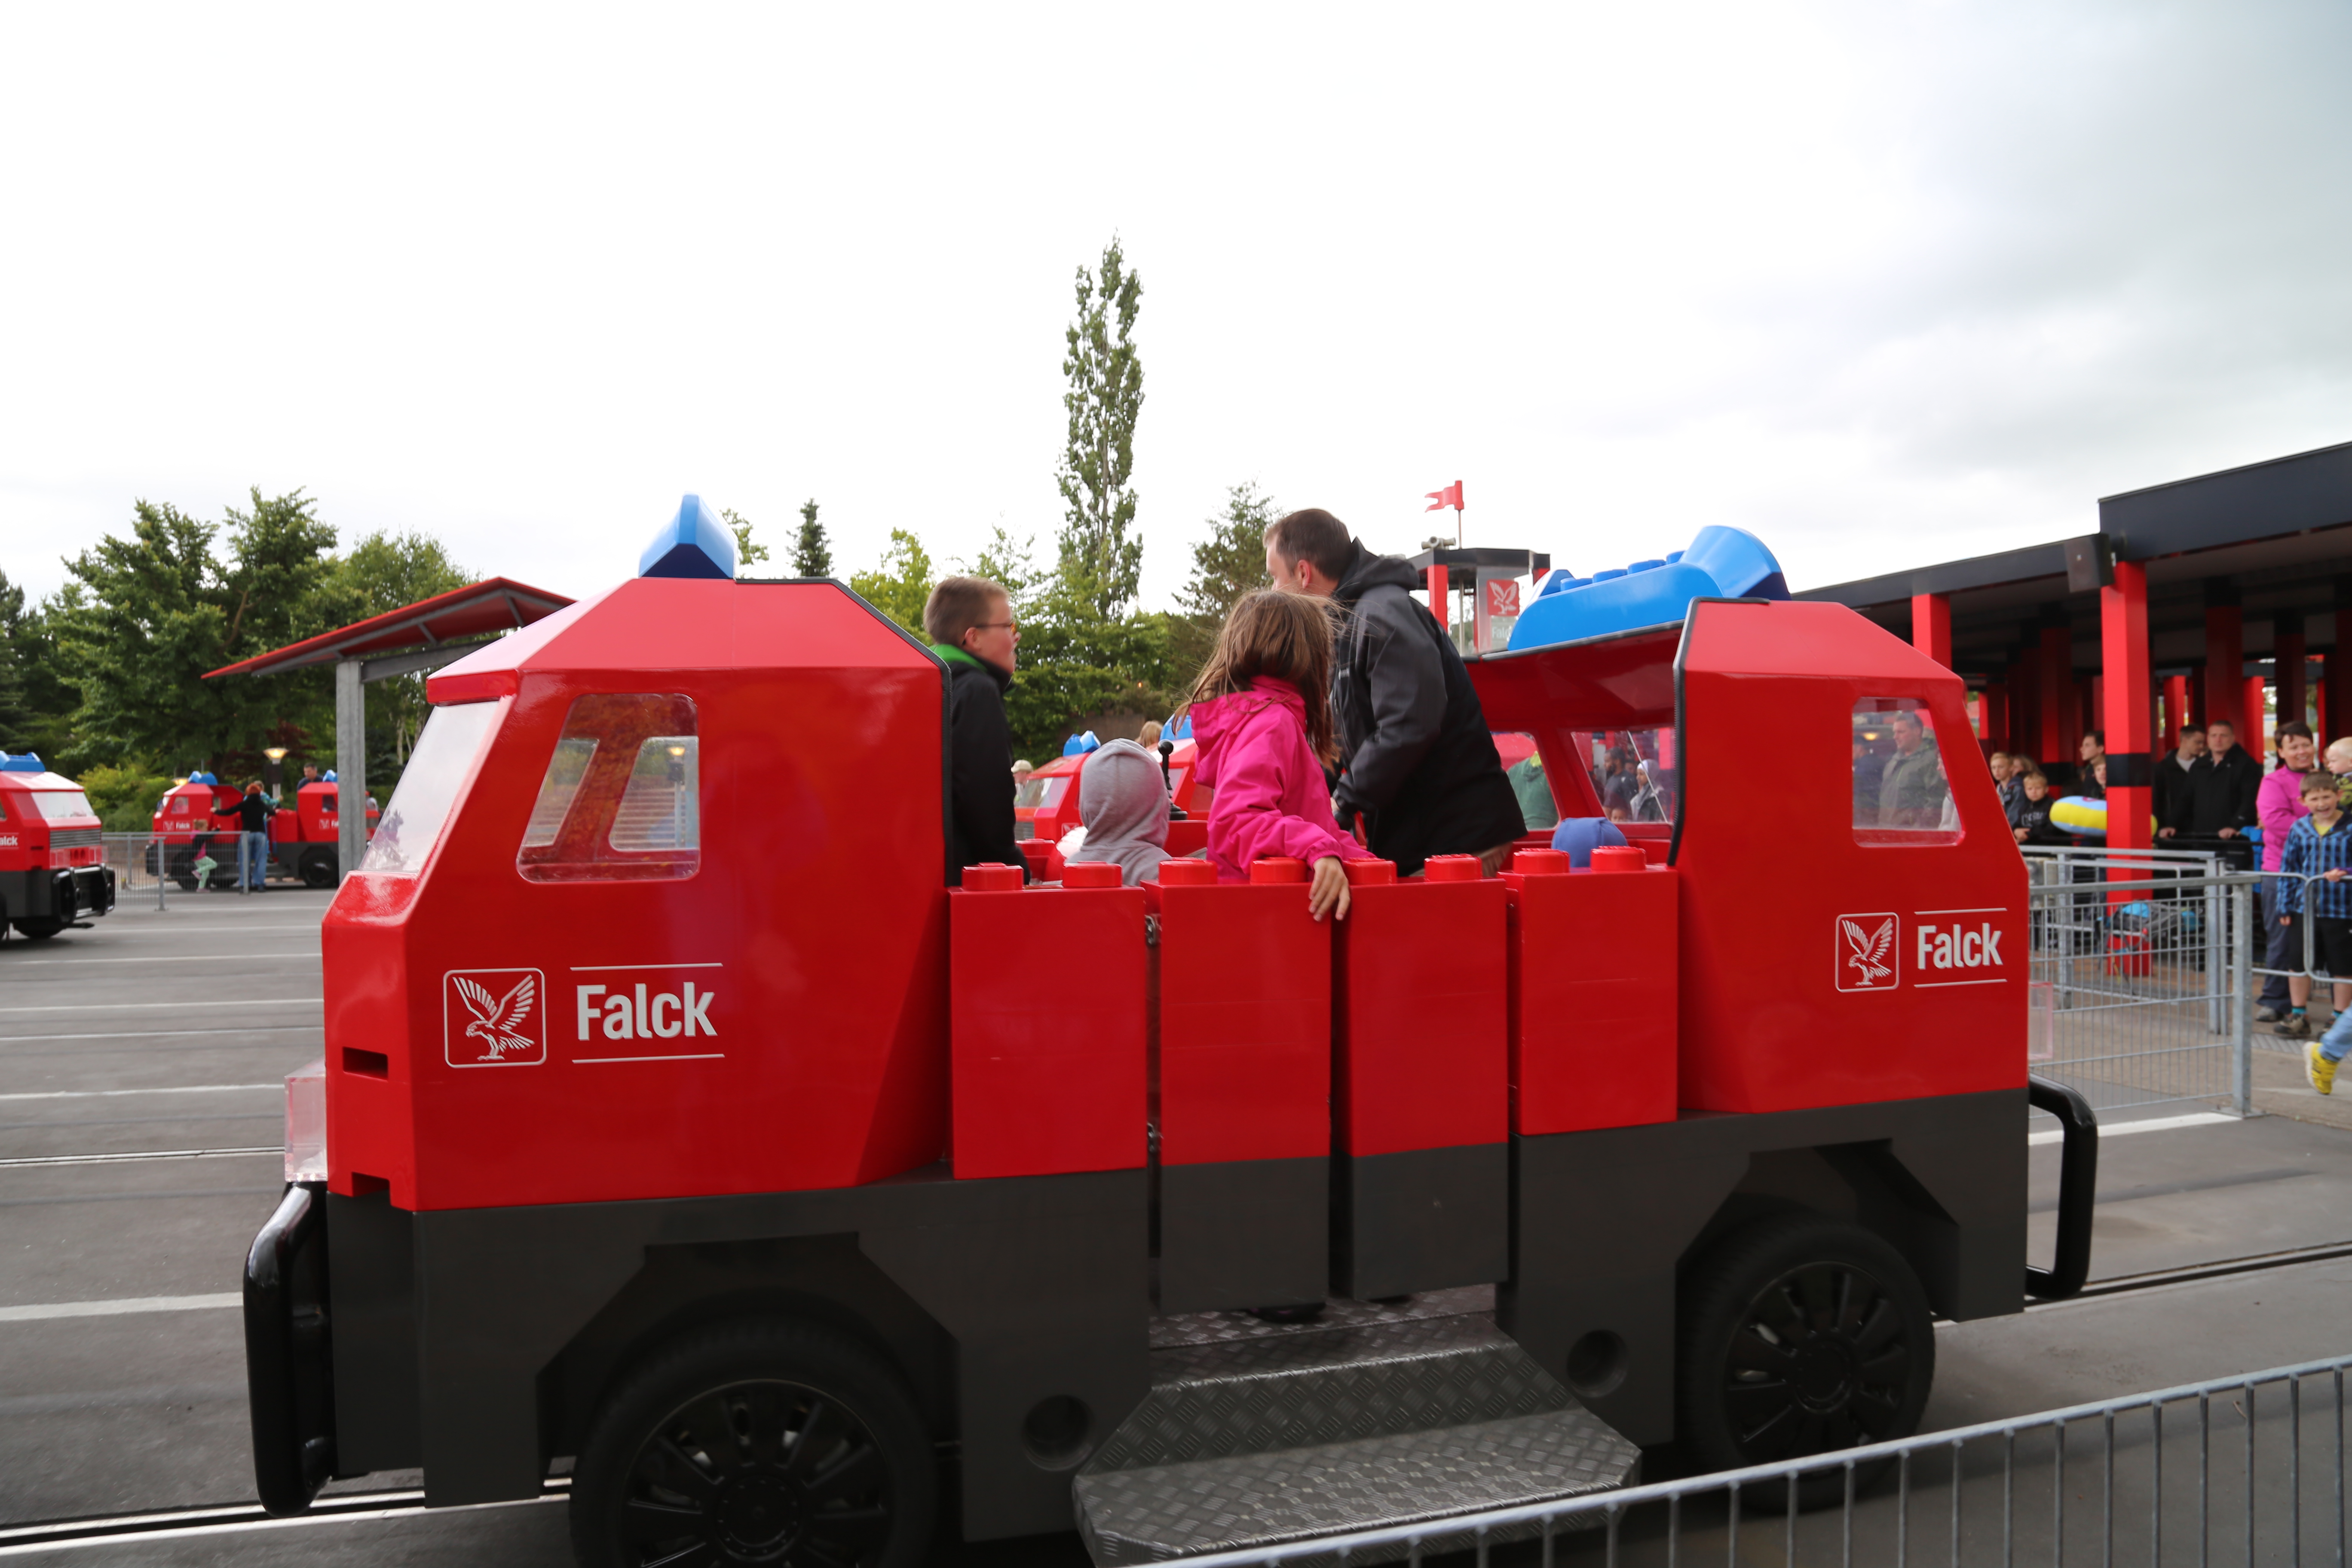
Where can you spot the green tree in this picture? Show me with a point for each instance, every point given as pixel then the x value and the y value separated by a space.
pixel 900 583
pixel 811 551
pixel 125 797
pixel 746 553
pixel 1009 561
pixel 1105 395
pixel 38 694
pixel 1226 565
pixel 382 572
pixel 1076 664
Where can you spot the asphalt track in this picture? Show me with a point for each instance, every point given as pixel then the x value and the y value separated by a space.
pixel 141 1065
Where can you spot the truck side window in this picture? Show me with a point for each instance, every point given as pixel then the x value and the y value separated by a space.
pixel 1900 794
pixel 1636 774
pixel 429 787
pixel 1523 768
pixel 620 798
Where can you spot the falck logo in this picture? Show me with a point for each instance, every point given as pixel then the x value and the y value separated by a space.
pixel 493 1018
pixel 1866 951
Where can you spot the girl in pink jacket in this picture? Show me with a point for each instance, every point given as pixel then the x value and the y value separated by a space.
pixel 1262 717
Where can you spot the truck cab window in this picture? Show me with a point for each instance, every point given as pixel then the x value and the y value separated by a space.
pixel 1901 796
pixel 1523 766
pixel 1636 774
pixel 430 787
pixel 621 799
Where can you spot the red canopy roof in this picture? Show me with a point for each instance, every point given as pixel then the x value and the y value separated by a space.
pixel 493 605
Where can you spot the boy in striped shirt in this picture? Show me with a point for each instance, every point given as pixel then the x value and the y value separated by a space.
pixel 2319 845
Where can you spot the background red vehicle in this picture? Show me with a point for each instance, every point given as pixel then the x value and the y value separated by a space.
pixel 51 851
pixel 199 819
pixel 680 1120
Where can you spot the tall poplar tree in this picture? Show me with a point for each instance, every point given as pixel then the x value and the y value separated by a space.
pixel 1099 564
pixel 811 551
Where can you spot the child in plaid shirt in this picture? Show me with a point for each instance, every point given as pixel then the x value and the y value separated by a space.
pixel 2320 845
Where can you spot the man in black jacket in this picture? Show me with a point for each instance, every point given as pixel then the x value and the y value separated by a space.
pixel 1416 758
pixel 2221 789
pixel 970 623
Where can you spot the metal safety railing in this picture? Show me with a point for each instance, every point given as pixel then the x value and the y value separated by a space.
pixel 2141 982
pixel 2248 1469
pixel 147 863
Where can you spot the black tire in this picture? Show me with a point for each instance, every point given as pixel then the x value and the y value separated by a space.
pixel 40 930
pixel 1800 1336
pixel 317 870
pixel 700 1458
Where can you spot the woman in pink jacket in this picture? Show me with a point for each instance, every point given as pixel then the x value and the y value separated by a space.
pixel 1262 716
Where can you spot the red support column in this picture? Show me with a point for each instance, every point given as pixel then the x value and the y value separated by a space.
pixel 2123 646
pixel 1931 626
pixel 1437 605
pixel 1996 712
pixel 2249 733
pixel 2057 694
pixel 2225 661
pixel 2175 708
pixel 2288 654
pixel 2025 703
pixel 2197 710
pixel 2335 690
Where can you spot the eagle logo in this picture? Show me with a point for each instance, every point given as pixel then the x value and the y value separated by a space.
pixel 1865 951
pixel 490 1018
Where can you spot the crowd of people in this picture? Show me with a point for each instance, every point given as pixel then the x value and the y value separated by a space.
pixel 1334 722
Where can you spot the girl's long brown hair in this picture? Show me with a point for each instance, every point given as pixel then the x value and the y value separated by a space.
pixel 1284 635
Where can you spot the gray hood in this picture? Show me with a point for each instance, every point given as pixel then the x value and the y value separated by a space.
pixel 1123 800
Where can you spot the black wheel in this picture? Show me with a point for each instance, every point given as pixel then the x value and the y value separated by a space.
pixel 317 870
pixel 759 1442
pixel 40 930
pixel 1802 1335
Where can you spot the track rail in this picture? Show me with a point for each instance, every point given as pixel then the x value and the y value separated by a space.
pixel 238 1518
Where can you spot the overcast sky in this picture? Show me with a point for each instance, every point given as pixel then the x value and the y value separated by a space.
pixel 1886 285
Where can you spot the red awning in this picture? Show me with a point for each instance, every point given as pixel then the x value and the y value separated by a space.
pixel 457 615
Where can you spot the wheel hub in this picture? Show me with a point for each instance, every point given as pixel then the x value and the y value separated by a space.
pixel 758 1514
pixel 1822 1373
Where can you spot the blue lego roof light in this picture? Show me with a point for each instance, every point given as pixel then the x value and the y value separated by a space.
pixel 327 777
pixel 694 543
pixel 1079 745
pixel 22 763
pixel 1721 563
pixel 1178 729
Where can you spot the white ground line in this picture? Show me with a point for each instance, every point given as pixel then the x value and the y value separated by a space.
pixel 236 1527
pixel 146 1006
pixel 161 958
pixel 120 1307
pixel 163 1034
pixel 127 1158
pixel 110 1093
pixel 2153 1124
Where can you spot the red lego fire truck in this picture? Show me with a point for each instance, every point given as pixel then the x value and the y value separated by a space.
pixel 52 856
pixel 199 818
pixel 679 1123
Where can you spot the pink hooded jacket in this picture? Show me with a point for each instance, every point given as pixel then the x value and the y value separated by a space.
pixel 1271 798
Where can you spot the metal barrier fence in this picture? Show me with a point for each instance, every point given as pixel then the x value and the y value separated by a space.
pixel 2141 981
pixel 148 866
pixel 2245 1469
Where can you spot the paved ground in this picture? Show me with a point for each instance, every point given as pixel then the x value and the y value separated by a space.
pixel 169 1034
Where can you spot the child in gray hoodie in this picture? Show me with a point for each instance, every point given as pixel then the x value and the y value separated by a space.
pixel 1123 802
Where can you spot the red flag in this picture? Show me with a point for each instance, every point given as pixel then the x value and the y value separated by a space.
pixel 1439 499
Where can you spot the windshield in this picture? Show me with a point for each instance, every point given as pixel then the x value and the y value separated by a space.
pixel 1636 774
pixel 429 787
pixel 62 805
pixel 1042 793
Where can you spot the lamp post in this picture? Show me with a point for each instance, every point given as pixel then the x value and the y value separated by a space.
pixel 271 774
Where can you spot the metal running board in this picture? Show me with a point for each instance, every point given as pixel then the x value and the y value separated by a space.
pixel 1261 1436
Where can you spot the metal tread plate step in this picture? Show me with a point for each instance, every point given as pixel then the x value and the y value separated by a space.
pixel 1250 1395
pixel 1160 1512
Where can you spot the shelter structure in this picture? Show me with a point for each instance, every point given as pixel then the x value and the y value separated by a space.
pixel 2219 597
pixel 415 637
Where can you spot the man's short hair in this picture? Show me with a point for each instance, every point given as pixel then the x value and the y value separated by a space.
pixel 2188 729
pixel 1313 536
pixel 2223 724
pixel 958 604
pixel 2097 737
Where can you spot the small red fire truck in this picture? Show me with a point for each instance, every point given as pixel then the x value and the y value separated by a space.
pixel 52 870
pixel 199 819
pixel 679 1124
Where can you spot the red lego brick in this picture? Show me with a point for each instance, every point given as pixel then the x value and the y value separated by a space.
pixel 1421 1046
pixel 1042 1085
pixel 1242 988
pixel 1592 995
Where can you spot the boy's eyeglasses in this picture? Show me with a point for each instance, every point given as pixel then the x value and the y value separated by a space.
pixel 991 625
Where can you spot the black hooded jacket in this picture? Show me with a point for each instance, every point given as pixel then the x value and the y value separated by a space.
pixel 979 767
pixel 1417 758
